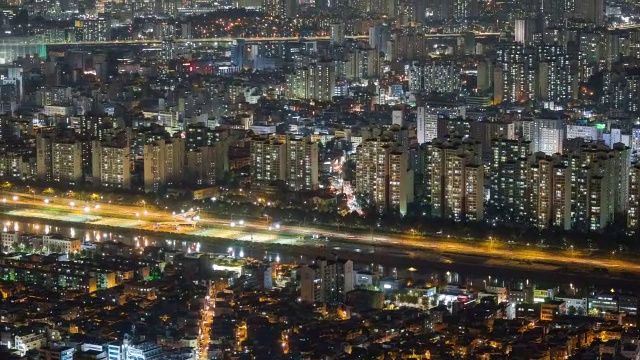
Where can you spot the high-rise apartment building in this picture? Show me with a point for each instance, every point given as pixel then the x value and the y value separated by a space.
pixel 633 213
pixel 545 133
pixel 207 164
pixel 524 30
pixel 302 164
pixel 336 33
pixel 621 155
pixel 486 131
pixel 276 8
pixel 92 29
pixel 362 63
pixel 66 162
pixel 513 74
pixel 555 78
pixel 59 160
pixel 163 164
pixel 594 187
pixel 268 160
pixel 382 174
pixel 548 192
pixel 111 163
pixel 456 176
pixel 43 158
pixel 507 178
pixel 326 281
pixel 315 82
pixel 435 75
pixel 592 11
pixel 426 124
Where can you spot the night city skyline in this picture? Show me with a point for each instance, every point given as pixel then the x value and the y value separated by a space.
pixel 319 179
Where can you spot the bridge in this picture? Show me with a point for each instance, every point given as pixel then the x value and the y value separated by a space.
pixel 36 42
pixel 12 48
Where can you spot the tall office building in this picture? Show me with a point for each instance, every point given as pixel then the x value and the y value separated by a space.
pixel 163 164
pixel 456 176
pixel 426 124
pixel 382 174
pixel 268 160
pixel 111 163
pixel 239 53
pixel 302 164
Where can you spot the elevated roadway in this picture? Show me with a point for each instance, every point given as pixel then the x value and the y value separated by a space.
pixel 226 39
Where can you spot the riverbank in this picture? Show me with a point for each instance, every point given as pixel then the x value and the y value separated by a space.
pixel 387 254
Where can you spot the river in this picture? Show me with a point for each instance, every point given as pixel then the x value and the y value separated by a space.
pixel 428 268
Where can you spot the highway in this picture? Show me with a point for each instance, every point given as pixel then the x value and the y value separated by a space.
pixel 261 231
pixel 227 39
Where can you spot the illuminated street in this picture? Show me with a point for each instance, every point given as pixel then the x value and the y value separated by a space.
pixel 104 214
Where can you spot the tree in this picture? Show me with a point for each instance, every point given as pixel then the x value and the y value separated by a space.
pixel 363 200
pixel 349 170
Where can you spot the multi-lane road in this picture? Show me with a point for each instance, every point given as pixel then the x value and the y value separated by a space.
pixel 254 230
pixel 228 39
